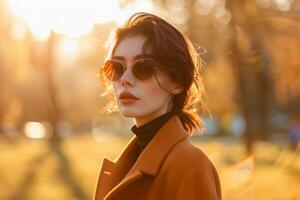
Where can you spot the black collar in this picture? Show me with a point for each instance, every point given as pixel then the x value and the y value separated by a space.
pixel 147 131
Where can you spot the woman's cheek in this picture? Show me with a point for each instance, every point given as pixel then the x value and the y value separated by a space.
pixel 152 98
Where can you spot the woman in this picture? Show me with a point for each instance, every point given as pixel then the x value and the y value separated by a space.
pixel 154 72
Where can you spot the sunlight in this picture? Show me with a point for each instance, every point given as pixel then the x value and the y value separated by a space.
pixel 69 47
pixel 67 51
pixel 136 6
pixel 73 18
pixel 35 130
pixel 283 5
pixel 18 30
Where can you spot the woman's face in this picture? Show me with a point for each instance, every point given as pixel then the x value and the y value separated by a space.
pixel 152 101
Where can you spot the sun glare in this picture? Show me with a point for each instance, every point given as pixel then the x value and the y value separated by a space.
pixel 71 17
pixel 137 6
pixel 35 130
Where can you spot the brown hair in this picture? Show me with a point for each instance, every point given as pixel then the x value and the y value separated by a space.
pixel 174 51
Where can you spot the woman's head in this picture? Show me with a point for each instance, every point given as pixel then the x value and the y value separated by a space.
pixel 157 64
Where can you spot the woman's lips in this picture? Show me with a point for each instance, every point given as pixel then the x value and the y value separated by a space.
pixel 127 98
pixel 127 95
pixel 128 101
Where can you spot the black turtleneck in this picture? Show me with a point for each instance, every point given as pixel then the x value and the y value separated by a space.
pixel 147 131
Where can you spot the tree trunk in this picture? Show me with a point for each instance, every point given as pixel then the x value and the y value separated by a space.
pixel 250 68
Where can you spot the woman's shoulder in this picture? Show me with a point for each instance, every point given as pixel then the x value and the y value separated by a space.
pixel 189 170
pixel 185 155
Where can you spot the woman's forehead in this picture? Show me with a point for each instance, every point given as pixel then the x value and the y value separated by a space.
pixel 131 48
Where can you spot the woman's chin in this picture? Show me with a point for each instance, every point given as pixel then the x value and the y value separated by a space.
pixel 127 113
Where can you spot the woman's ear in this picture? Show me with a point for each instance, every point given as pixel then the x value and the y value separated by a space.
pixel 177 88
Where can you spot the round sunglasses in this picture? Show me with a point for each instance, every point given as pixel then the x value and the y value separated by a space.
pixel 142 69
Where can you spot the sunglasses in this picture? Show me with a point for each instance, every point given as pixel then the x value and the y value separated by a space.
pixel 142 69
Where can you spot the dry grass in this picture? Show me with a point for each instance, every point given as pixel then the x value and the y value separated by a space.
pixel 30 170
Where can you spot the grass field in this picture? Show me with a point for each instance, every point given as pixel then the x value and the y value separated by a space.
pixel 34 170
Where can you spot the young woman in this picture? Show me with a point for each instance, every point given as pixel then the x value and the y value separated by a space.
pixel 154 71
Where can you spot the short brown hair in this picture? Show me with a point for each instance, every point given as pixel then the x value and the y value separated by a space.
pixel 175 51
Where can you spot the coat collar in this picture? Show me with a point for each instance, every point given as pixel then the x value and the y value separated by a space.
pixel 149 161
pixel 153 155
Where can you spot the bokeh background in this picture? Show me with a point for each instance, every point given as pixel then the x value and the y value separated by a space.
pixel 53 138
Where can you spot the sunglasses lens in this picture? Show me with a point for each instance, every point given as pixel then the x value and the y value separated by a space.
pixel 113 70
pixel 143 69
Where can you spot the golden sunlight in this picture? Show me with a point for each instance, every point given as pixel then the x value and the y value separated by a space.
pixel 35 130
pixel 137 6
pixel 69 17
pixel 73 18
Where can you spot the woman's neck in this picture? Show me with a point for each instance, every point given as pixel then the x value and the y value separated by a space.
pixel 140 121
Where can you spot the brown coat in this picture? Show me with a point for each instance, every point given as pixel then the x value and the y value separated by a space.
pixel 168 168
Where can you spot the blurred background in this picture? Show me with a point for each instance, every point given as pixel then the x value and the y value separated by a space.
pixel 53 138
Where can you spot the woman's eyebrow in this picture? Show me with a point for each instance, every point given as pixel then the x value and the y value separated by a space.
pixel 121 58
pixel 136 57
pixel 144 55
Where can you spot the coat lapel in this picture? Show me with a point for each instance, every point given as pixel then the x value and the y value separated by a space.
pixel 104 178
pixel 127 169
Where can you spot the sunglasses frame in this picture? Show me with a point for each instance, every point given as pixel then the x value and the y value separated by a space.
pixel 131 69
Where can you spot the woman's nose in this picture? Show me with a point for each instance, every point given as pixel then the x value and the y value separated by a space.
pixel 127 77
